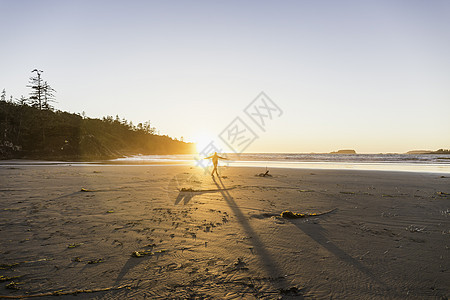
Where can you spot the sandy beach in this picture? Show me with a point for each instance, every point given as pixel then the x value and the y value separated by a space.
pixel 172 232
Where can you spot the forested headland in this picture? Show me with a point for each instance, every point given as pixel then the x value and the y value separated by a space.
pixel 31 128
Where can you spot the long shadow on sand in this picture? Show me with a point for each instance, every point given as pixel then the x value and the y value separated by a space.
pixel 269 264
pixel 186 196
pixel 317 233
pixel 132 263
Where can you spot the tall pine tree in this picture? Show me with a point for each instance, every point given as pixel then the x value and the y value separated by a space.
pixel 41 92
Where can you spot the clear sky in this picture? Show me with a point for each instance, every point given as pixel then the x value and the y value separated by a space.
pixel 373 76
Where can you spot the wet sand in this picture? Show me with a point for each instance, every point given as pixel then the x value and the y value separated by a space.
pixel 172 232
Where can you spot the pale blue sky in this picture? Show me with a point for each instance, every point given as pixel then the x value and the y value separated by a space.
pixel 373 76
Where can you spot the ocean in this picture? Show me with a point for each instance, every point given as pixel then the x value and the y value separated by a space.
pixel 434 163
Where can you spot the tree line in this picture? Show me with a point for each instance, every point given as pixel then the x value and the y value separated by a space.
pixel 32 128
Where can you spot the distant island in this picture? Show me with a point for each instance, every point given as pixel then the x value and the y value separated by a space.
pixel 440 151
pixel 32 132
pixel 345 151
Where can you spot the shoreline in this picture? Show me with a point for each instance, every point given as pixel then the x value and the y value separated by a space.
pixel 417 167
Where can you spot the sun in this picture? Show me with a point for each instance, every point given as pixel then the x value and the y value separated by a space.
pixel 203 140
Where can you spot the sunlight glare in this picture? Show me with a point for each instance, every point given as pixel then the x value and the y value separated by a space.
pixel 202 141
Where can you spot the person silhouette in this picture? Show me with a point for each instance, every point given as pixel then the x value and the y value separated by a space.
pixel 215 159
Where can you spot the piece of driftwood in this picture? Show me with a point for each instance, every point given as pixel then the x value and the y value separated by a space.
pixel 266 174
pixel 287 214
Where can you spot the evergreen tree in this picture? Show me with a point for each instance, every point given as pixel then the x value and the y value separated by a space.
pixel 49 96
pixel 22 100
pixel 41 92
pixel 3 96
pixel 36 85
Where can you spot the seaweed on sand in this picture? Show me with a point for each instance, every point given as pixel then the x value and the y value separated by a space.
pixel 95 261
pixel 188 190
pixel 7 278
pixel 287 214
pixel 142 253
pixel 13 285
pixel 74 245
pixel 147 252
